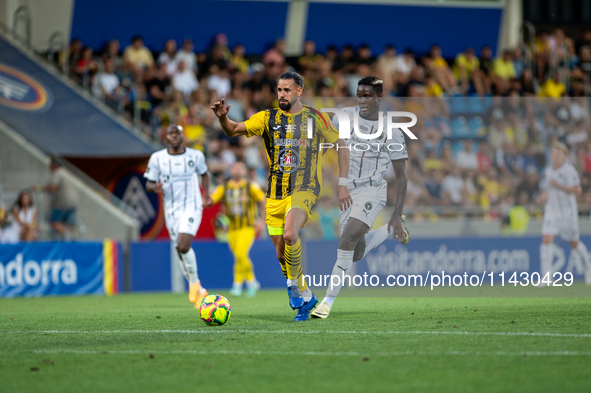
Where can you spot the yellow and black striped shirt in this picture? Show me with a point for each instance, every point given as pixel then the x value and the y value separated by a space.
pixel 294 160
pixel 240 200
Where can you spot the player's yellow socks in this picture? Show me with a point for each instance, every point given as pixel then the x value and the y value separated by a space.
pixel 293 262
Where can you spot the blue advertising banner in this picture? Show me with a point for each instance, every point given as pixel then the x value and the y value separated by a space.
pixel 454 256
pixel 151 270
pixel 53 268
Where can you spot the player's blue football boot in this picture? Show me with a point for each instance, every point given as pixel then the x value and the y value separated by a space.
pixel 304 312
pixel 296 301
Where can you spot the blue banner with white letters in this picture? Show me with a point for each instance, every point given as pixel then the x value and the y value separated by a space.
pixel 454 256
pixel 52 268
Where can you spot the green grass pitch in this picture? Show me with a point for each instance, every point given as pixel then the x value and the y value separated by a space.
pixel 156 343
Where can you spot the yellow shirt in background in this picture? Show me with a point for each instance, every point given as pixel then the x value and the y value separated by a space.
pixel 240 199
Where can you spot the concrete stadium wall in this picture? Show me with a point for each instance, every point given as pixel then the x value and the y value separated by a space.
pixel 47 17
pixel 23 165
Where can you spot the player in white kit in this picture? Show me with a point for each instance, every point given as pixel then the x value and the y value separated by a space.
pixel 369 161
pixel 173 172
pixel 561 213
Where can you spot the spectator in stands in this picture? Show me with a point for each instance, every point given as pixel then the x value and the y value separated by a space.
pixel 483 158
pixel 220 158
pixel 386 64
pixel 345 63
pixel 187 55
pixel 275 56
pixel 237 61
pixel 447 157
pixel 364 56
pixel 106 83
pixel 24 214
pixel 159 87
pixel 432 183
pixel 310 60
pixel 86 66
pixel 64 201
pixel 219 81
pixel 518 62
pixel 491 188
pixel 504 71
pixel 8 234
pixel 453 187
pixel 467 158
pixel 528 86
pixel 431 162
pixel 529 186
pixel 441 71
pixel 74 54
pixel 184 80
pixel 467 70
pixel 138 55
pixel 168 57
pixel 405 63
pixel 584 41
pixel 486 62
pixel 112 52
pixel 553 87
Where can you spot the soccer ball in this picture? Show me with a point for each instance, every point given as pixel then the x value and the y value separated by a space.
pixel 215 310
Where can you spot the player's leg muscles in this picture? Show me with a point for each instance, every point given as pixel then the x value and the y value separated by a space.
pixel 295 220
pixel 187 256
pixel 352 234
pixel 280 250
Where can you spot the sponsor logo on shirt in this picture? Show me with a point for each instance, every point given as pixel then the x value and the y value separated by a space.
pixel 292 142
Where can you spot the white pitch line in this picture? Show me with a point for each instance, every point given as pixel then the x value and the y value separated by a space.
pixel 309 353
pixel 217 331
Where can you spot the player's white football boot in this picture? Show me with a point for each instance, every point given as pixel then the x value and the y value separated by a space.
pixel 321 311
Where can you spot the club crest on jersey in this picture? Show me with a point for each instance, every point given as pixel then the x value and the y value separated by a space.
pixel 288 160
pixel 191 220
pixel 191 163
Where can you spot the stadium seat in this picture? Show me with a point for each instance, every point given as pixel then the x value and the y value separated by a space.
pixel 457 105
pixel 476 124
pixel 459 127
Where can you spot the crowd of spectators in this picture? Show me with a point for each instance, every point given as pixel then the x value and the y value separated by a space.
pixel 528 97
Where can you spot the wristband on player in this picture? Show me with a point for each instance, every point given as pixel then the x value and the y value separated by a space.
pixel 343 181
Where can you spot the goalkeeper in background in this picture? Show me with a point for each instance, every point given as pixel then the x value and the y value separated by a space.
pixel 240 198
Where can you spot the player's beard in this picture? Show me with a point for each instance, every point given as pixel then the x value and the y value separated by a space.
pixel 285 106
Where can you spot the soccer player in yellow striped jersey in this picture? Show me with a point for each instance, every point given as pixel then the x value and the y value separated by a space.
pixel 295 175
pixel 240 198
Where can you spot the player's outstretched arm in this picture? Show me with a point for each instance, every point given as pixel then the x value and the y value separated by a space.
pixel 231 128
pixel 207 201
pixel 345 199
pixel 153 186
pixel 400 185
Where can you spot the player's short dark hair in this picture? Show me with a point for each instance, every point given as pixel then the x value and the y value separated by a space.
pixel 297 78
pixel 374 82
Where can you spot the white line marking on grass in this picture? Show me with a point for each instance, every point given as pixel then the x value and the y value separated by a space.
pixel 309 353
pixel 217 331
